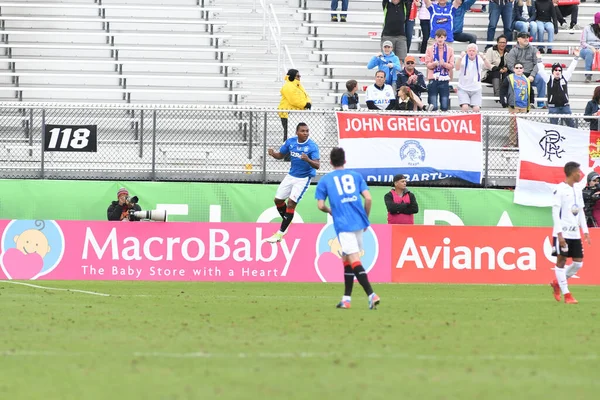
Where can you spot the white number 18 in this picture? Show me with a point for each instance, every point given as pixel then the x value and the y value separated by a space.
pixel 346 185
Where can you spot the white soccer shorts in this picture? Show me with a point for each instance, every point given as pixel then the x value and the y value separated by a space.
pixel 292 188
pixel 351 242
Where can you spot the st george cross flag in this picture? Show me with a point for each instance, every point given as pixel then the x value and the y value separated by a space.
pixel 544 149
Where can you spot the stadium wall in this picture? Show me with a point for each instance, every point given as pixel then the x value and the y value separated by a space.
pixel 177 251
pixel 212 202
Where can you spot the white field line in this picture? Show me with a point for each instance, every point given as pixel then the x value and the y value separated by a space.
pixel 317 355
pixel 59 289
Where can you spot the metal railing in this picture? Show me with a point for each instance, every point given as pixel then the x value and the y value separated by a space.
pixel 275 37
pixel 197 143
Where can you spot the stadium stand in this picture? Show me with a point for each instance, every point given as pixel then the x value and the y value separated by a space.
pixel 233 52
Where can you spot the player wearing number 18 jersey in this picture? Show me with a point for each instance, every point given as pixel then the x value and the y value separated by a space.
pixel 344 189
pixel 568 218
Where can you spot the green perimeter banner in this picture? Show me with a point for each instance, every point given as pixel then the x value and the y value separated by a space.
pixel 235 202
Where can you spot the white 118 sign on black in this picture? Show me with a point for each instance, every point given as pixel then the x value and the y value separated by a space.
pixel 81 138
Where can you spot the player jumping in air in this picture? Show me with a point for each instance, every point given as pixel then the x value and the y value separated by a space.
pixel 344 189
pixel 568 217
pixel 304 154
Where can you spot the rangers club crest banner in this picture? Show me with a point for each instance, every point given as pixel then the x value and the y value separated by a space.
pixel 425 148
pixel 544 149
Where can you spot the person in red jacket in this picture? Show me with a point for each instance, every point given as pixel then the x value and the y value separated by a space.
pixel 401 203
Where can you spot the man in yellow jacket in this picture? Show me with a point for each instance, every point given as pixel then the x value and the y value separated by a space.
pixel 293 97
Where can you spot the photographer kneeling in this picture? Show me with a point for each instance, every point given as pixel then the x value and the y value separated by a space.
pixel 591 195
pixel 119 210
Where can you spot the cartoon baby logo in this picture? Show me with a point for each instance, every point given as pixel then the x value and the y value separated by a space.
pixel 328 262
pixel 31 249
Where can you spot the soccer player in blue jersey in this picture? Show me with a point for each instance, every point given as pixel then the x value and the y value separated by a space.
pixel 304 154
pixel 344 189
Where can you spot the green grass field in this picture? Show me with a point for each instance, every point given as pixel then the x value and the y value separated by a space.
pixel 168 340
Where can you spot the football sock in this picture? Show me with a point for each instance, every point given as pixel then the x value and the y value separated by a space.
pixel 573 268
pixel 346 298
pixel 287 219
pixel 281 208
pixel 348 279
pixel 361 276
pixel 561 278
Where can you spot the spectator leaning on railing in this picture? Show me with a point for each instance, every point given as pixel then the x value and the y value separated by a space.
pixel 557 85
pixel 590 44
pixel 592 108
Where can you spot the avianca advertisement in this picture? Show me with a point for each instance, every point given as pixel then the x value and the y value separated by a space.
pixel 500 255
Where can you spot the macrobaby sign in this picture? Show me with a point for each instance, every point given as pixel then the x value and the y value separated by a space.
pixel 423 147
pixel 91 250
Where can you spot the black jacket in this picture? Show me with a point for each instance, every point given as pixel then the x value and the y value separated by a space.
pixel 401 208
pixel 591 108
pixel 115 211
pixel 417 88
pixel 395 16
pixel 545 12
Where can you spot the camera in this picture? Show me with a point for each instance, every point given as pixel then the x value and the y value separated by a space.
pixel 589 200
pixel 132 200
pixel 150 215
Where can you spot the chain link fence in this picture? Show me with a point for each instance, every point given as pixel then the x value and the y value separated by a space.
pixel 187 143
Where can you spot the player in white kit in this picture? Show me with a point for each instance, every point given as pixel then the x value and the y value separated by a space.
pixel 568 218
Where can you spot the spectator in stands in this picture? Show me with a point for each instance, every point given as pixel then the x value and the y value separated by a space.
pixel 394 16
pixel 119 210
pixel 387 62
pixel 379 95
pixel 441 16
pixel 515 94
pixel 524 17
pixel 408 101
pixel 526 55
pixel 459 21
pixel 591 195
pixel 440 62
pixel 411 77
pixel 293 97
pixel 592 108
pixel 410 23
pixel 400 202
pixel 350 98
pixel 563 11
pixel 498 72
pixel 470 66
pixel 425 22
pixel 590 44
pixel 500 8
pixel 558 89
pixel 334 7
pixel 547 21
